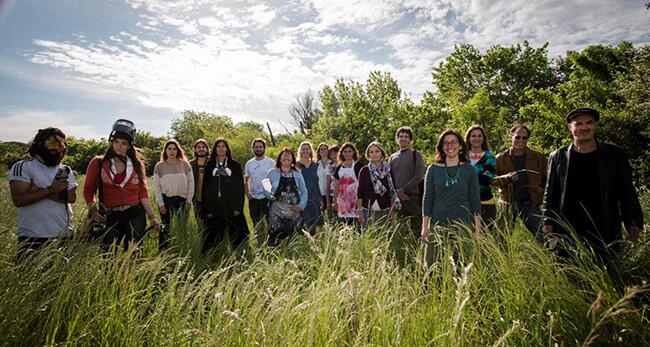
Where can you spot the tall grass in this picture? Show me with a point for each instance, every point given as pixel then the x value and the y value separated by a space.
pixel 336 287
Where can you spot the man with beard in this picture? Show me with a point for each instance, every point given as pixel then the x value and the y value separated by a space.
pixel 201 151
pixel 590 185
pixel 254 172
pixel 43 190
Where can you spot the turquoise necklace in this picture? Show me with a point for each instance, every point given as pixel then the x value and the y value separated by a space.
pixel 451 176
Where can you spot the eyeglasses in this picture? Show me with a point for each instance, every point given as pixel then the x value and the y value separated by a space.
pixel 520 137
pixel 450 143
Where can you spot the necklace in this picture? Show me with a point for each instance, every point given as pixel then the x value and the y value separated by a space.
pixel 451 176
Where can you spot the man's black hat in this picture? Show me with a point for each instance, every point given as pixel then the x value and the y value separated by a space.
pixel 578 111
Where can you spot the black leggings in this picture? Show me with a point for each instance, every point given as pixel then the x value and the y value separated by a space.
pixel 124 227
pixel 216 228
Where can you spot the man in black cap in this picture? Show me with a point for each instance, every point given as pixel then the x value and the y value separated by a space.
pixel 590 185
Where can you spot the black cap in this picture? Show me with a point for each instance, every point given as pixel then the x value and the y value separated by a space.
pixel 125 127
pixel 578 111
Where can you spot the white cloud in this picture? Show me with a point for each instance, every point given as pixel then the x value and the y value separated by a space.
pixel 249 60
pixel 24 123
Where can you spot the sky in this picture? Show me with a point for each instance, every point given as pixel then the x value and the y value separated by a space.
pixel 80 65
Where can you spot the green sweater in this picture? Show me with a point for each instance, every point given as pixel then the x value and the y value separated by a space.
pixel 448 197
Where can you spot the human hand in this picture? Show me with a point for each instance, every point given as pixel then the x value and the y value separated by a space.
pixel 98 217
pixel 295 208
pixel 513 176
pixel 633 232
pixel 424 235
pixel 58 186
pixel 162 209
pixel 548 229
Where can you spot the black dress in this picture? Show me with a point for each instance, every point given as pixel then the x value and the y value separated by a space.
pixel 223 199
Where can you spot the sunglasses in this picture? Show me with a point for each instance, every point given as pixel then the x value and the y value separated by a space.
pixel 519 137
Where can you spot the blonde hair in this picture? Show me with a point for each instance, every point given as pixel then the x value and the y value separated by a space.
pixel 379 146
pixel 311 149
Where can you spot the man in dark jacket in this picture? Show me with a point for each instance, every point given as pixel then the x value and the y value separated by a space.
pixel 590 186
pixel 201 151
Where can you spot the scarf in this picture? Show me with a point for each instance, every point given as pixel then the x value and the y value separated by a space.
pixel 376 176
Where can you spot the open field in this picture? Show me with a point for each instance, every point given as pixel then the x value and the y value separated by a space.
pixel 335 288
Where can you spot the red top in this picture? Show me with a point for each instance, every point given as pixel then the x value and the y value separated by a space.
pixel 114 195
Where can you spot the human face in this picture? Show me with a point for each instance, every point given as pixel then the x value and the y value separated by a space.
pixel 54 149
pixel 333 154
pixel 519 139
pixel 348 154
pixel 583 128
pixel 221 149
pixel 258 149
pixel 324 152
pixel 201 150
pixel 120 146
pixel 451 146
pixel 171 151
pixel 403 140
pixel 476 139
pixel 305 151
pixel 374 154
pixel 286 159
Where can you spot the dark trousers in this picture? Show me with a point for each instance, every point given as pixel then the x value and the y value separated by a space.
pixel 124 227
pixel 216 228
pixel 199 214
pixel 412 212
pixel 29 245
pixel 173 204
pixel 258 209
pixel 488 214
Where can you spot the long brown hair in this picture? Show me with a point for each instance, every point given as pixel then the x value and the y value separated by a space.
pixel 462 151
pixel 318 156
pixel 132 153
pixel 179 156
pixel 219 140
pixel 355 155
pixel 485 145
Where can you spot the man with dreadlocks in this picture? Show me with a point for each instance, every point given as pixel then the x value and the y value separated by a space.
pixel 43 190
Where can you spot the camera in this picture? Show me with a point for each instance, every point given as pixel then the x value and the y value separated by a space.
pixel 62 174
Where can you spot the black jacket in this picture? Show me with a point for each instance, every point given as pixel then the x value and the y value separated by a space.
pixel 222 195
pixel 195 171
pixel 619 201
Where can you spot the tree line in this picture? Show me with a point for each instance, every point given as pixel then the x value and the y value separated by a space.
pixel 495 88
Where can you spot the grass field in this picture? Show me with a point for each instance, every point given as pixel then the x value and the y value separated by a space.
pixel 334 288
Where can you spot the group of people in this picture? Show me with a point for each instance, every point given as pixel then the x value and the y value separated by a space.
pixel 587 184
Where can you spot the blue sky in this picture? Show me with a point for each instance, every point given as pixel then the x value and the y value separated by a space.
pixel 79 65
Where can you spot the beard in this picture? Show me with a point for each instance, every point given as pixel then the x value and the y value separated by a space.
pixel 205 154
pixel 50 159
pixel 258 153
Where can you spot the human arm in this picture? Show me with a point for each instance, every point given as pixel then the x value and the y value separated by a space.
pixel 157 184
pixel 474 197
pixel 551 198
pixel 428 201
pixel 146 203
pixel 631 212
pixel 302 190
pixel 328 183
pixel 418 175
pixel 189 173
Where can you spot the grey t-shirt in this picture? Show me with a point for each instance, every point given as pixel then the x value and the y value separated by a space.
pixel 46 218
pixel 407 173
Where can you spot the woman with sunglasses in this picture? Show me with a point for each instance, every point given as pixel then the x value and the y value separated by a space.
pixel 451 191
pixel 484 162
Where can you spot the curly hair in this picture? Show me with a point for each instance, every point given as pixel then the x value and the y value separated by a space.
pixel 42 135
